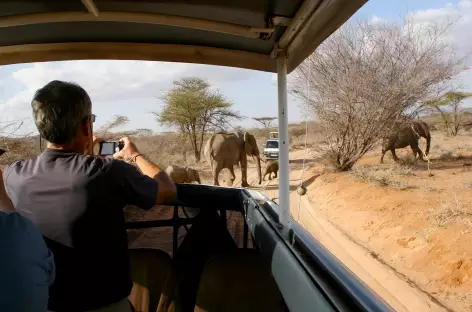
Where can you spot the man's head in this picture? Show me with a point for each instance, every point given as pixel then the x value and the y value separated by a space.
pixel 62 112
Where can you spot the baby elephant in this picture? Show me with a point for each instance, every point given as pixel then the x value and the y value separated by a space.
pixel 272 166
pixel 182 175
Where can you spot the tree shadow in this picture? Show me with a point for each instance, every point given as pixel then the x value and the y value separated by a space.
pixel 292 187
pixel 300 161
pixel 445 163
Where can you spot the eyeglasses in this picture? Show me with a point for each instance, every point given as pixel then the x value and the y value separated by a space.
pixel 91 116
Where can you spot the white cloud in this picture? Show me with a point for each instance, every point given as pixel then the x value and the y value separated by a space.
pixel 460 15
pixel 465 4
pixel 377 20
pixel 116 80
pixel 107 82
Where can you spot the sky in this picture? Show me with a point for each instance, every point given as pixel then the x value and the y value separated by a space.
pixel 134 88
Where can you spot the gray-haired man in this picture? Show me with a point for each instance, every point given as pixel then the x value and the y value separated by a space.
pixel 77 201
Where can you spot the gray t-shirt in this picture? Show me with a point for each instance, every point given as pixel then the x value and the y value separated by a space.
pixel 77 203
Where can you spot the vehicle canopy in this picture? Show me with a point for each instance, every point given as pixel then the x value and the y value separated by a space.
pixel 237 33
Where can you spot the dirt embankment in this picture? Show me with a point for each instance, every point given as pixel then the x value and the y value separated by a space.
pixel 424 235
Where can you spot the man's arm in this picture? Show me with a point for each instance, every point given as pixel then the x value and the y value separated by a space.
pixel 166 190
pixel 5 202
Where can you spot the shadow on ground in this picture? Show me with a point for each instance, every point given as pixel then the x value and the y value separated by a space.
pixel 444 164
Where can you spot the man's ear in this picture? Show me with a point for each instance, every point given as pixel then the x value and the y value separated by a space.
pixel 86 128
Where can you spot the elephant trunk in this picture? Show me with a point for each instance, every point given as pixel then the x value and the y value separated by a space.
pixel 258 166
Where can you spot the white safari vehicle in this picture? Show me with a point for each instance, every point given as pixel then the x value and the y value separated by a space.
pixel 271 149
pixel 273 135
pixel 266 35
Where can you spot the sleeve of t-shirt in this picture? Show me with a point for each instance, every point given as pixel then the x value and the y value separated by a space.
pixel 139 189
pixel 6 173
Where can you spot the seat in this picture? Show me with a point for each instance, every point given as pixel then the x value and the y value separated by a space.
pixel 238 281
pixel 149 271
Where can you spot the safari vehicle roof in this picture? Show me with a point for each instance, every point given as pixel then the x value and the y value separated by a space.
pixel 237 33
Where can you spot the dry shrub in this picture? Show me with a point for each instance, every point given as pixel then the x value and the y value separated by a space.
pixel 18 148
pixel 169 149
pixel 387 177
pixel 407 161
pixel 450 211
pixel 365 77
pixel 297 130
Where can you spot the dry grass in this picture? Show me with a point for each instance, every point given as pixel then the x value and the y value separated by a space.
pixel 16 149
pixel 164 149
pixel 407 161
pixel 386 177
pixel 450 211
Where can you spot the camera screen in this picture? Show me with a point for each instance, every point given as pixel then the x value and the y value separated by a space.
pixel 109 148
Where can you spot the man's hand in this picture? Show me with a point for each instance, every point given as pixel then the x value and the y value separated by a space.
pixel 89 148
pixel 96 140
pixel 128 151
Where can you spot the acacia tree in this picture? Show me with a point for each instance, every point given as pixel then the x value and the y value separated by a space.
pixel 450 109
pixel 366 77
pixel 265 121
pixel 116 121
pixel 193 108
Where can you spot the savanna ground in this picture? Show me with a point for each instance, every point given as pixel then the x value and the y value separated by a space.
pixel 403 227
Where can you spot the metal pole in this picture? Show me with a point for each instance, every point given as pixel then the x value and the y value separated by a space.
pixel 284 180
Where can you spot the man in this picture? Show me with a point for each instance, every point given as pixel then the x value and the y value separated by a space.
pixel 26 264
pixel 77 201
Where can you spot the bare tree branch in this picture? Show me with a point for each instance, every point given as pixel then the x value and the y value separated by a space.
pixel 366 78
pixel 117 121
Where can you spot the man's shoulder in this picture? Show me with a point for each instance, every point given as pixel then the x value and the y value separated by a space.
pixel 17 166
pixel 110 165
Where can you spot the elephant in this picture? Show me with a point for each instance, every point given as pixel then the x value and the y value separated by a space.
pixel 272 166
pixel 407 134
pixel 182 175
pixel 225 150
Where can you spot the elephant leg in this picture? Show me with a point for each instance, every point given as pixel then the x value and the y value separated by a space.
pixel 416 150
pixel 382 156
pixel 395 158
pixel 243 162
pixel 275 174
pixel 233 177
pixel 217 167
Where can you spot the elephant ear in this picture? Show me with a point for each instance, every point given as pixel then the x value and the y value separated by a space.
pixel 250 144
pixel 247 143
